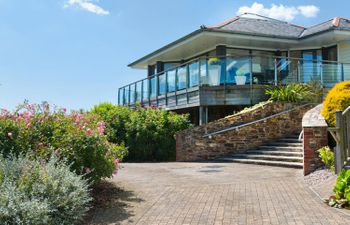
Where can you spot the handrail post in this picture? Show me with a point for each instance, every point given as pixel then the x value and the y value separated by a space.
pixel 342 72
pixel 276 72
pixel 339 150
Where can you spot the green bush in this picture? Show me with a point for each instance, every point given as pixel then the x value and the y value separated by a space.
pixel 149 134
pixel 342 186
pixel 327 157
pixel 338 98
pixel 33 192
pixel 294 93
pixel 79 138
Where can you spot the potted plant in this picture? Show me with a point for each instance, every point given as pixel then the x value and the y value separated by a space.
pixel 240 78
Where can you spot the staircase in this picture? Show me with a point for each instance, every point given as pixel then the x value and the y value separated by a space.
pixel 285 152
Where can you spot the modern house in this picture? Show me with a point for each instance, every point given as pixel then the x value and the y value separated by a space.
pixel 216 70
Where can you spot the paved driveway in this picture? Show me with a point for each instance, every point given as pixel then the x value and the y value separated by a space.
pixel 216 193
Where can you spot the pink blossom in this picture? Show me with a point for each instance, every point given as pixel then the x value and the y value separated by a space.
pixel 87 170
pixel 64 110
pixel 89 131
pixel 101 128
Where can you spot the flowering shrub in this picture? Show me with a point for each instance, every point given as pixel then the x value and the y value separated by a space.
pixel 338 98
pixel 79 138
pixel 33 192
pixel 149 134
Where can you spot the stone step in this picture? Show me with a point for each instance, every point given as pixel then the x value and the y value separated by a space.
pixel 275 152
pixel 271 147
pixel 269 157
pixel 287 144
pixel 263 162
pixel 290 140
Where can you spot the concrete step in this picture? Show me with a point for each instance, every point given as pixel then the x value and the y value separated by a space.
pixel 269 157
pixel 263 162
pixel 275 152
pixel 278 148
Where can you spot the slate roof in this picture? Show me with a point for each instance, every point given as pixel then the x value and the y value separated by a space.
pixel 263 26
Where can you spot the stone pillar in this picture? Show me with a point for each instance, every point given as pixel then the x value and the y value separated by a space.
pixel 315 137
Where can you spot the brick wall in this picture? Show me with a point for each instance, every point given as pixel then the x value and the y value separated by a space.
pixel 315 137
pixel 192 146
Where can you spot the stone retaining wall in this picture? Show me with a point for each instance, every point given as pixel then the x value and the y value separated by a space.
pixel 315 137
pixel 192 146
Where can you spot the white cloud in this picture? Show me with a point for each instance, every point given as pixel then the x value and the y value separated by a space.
pixel 87 5
pixel 281 12
pixel 309 10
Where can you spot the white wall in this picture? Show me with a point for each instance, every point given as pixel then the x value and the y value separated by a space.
pixel 344 51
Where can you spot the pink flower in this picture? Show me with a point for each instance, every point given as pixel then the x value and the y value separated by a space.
pixel 87 170
pixel 89 131
pixel 64 110
pixel 9 134
pixel 101 128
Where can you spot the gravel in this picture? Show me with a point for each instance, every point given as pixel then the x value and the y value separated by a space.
pixel 319 176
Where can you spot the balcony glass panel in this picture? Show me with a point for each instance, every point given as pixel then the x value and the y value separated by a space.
pixel 346 69
pixel 145 93
pixel 162 84
pixel 139 91
pixel 153 87
pixel 171 80
pixel 132 94
pixel 181 78
pixel 216 73
pixel 287 71
pixel 237 70
pixel 331 73
pixel 203 72
pixel 193 71
pixel 311 69
pixel 126 95
pixel 120 96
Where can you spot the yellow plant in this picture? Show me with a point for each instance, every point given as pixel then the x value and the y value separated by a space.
pixel 338 98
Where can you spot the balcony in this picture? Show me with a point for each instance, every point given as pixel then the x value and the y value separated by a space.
pixel 229 80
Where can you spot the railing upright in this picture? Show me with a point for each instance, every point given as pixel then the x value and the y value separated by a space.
pixel 342 72
pixel 276 72
pixel 321 74
pixel 299 72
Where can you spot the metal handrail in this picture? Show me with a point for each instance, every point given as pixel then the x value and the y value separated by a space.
pixel 253 122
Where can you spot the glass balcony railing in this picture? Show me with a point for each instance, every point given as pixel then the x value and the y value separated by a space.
pixel 231 71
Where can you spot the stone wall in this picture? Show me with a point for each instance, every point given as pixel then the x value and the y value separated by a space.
pixel 315 137
pixel 192 146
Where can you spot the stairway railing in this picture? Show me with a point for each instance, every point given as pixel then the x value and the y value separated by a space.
pixel 237 127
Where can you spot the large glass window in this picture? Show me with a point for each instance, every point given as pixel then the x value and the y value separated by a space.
pixel 162 84
pixel 171 80
pixel 181 78
pixel 237 70
pixel 193 71
pixel 215 72
pixel 311 67
pixel 145 90
pixel 263 67
pixel 153 87
pixel 203 72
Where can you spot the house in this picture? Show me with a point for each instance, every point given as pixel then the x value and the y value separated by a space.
pixel 217 70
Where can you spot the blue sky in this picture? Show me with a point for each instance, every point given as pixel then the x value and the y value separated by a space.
pixel 74 53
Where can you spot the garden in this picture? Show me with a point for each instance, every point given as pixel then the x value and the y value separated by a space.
pixel 51 160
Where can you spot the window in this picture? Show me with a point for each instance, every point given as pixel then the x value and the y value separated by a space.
pixel 181 77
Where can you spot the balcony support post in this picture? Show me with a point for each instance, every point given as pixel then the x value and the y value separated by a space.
pixel 203 115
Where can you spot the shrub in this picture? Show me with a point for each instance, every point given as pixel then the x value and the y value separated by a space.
pixel 149 134
pixel 338 98
pixel 341 190
pixel 293 93
pixel 115 118
pixel 327 157
pixel 79 138
pixel 37 193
